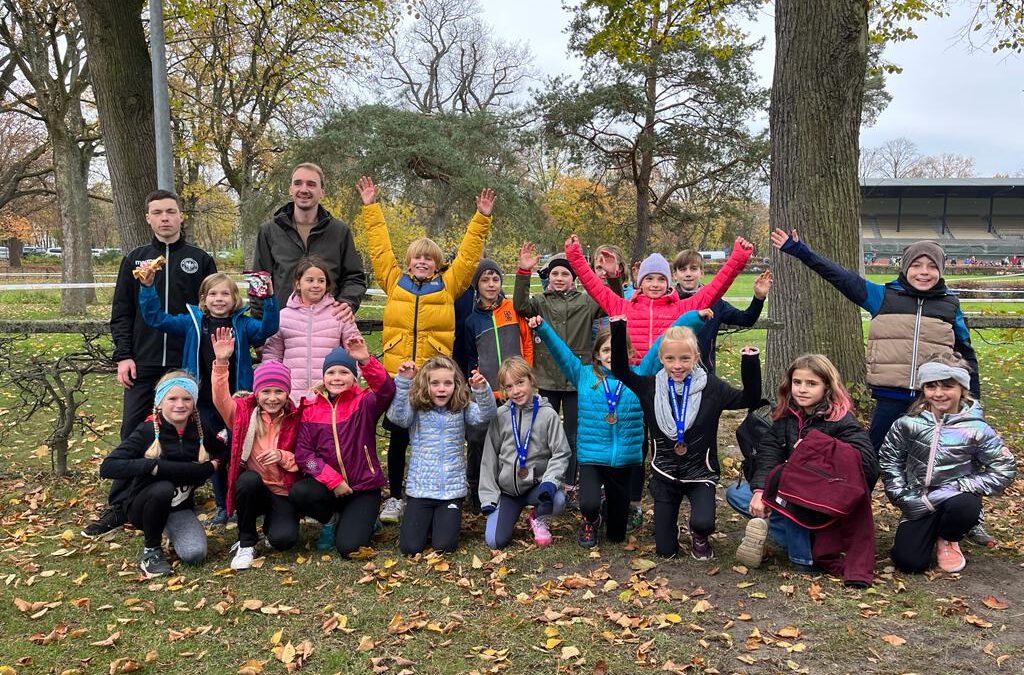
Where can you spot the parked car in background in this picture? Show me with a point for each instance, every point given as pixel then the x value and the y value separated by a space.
pixel 55 251
pixel 33 250
pixel 5 253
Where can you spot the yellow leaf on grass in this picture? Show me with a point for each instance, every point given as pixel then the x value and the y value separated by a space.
pixel 251 667
pixel 673 618
pixel 252 604
pixel 275 639
pixel 701 606
pixel 550 631
pixel 477 563
pixel 287 654
pixel 894 640
pixel 570 653
pixel 552 643
pixel 788 632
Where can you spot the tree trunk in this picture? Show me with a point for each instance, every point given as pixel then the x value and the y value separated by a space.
pixel 14 249
pixel 645 159
pixel 59 456
pixel 816 101
pixel 120 71
pixel 71 173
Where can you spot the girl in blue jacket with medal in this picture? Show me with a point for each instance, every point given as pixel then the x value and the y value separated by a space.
pixel 612 448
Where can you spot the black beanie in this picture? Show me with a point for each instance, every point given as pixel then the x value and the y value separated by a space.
pixel 485 264
pixel 557 260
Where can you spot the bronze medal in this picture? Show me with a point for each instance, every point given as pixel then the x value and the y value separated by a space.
pixel 523 472
pixel 611 418
pixel 680 448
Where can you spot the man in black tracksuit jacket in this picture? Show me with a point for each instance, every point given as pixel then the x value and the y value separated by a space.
pixel 144 354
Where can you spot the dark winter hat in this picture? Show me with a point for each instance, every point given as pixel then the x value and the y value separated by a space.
pixel 557 260
pixel 928 249
pixel 339 357
pixel 485 264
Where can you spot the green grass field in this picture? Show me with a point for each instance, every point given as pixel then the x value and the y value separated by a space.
pixel 79 606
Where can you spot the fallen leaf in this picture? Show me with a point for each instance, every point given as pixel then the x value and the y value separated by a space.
pixel 975 620
pixel 109 642
pixel 788 632
pixel 894 640
pixel 701 606
pixel 569 653
pixel 642 564
pixel 251 667
pixel 992 602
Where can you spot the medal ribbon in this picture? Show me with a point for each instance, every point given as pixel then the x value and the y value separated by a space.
pixel 522 445
pixel 611 398
pixel 680 418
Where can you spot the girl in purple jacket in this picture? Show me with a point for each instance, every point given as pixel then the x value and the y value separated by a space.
pixel 337 449
pixel 308 329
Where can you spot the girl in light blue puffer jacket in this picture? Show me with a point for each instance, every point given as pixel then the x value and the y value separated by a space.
pixel 436 404
pixel 937 462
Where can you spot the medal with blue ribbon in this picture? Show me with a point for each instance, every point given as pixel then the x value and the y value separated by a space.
pixel 679 411
pixel 523 444
pixel 612 399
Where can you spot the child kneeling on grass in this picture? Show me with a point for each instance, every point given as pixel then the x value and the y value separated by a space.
pixel 937 462
pixel 524 460
pixel 437 405
pixel 337 448
pixel 262 469
pixel 165 459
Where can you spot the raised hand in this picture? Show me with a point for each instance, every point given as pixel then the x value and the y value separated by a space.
pixel 573 240
pixel 617 317
pixel 477 381
pixel 706 314
pixel 749 350
pixel 779 237
pixel 485 202
pixel 534 322
pixel 357 349
pixel 146 274
pixel 528 257
pixel 744 244
pixel 763 284
pixel 607 261
pixel 407 370
pixel 367 190
pixel 223 344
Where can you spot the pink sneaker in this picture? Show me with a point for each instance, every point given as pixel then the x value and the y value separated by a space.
pixel 541 533
pixel 949 556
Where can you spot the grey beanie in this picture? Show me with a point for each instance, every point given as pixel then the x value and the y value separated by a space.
pixel 935 371
pixel 929 249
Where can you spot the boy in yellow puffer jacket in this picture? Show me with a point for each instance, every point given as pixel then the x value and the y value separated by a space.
pixel 419 314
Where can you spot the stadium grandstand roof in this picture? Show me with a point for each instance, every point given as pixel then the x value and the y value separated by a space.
pixel 922 187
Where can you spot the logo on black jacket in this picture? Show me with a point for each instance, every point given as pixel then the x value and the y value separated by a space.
pixel 189 266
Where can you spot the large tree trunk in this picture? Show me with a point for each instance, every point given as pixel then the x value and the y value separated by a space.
pixel 120 71
pixel 71 172
pixel 820 61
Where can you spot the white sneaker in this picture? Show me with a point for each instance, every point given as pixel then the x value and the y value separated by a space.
pixel 392 511
pixel 243 557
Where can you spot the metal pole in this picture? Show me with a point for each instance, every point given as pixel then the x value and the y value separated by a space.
pixel 161 104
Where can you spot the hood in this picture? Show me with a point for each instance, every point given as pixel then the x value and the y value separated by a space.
pixel 671 297
pixel 968 413
pixel 542 403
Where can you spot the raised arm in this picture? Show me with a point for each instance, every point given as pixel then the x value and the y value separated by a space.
pixel 460 273
pixel 386 270
pixel 595 288
pixel 567 361
pixel 154 315
pixel 750 373
pixel 693 320
pixel 521 300
pixel 713 291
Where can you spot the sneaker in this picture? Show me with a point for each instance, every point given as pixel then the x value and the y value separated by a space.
pixel 978 535
pixel 700 547
pixel 153 563
pixel 541 533
pixel 326 540
pixel 393 510
pixel 587 537
pixel 220 517
pixel 949 556
pixel 111 519
pixel 751 550
pixel 636 518
pixel 243 556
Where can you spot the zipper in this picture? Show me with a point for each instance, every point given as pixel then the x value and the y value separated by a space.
pixel 309 348
pixel 497 342
pixel 337 441
pixel 819 472
pixel 366 453
pixel 415 319
pixel 917 338
pixel 931 453
pixel 650 325
pixel 167 296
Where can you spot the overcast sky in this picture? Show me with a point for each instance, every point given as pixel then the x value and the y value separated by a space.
pixel 949 97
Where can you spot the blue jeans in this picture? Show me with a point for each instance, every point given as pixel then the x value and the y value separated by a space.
pixel 501 523
pixel 794 539
pixel 887 411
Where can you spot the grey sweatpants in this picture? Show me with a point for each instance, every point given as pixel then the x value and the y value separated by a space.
pixel 187 536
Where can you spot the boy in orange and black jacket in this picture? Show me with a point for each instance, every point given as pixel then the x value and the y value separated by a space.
pixel 493 333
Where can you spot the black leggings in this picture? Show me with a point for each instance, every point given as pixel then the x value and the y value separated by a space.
pixel 668 495
pixel 357 512
pixel 280 517
pixel 566 402
pixel 616 481
pixel 150 509
pixel 636 484
pixel 438 519
pixel 914 548
pixel 398 445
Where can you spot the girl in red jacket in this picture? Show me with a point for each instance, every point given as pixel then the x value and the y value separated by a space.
pixel 309 328
pixel 655 304
pixel 338 451
pixel 262 468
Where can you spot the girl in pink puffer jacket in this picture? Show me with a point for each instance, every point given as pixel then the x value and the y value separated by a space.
pixel 309 329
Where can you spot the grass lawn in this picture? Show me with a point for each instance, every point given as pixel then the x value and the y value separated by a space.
pixel 79 606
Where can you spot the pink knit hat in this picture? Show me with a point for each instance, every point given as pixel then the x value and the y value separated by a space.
pixel 271 374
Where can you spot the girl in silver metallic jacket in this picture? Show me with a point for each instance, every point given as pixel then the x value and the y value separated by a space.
pixel 937 462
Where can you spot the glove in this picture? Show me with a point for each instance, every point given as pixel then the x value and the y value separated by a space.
pixel 488 509
pixel 547 492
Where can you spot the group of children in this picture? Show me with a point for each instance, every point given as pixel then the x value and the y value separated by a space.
pixel 631 367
